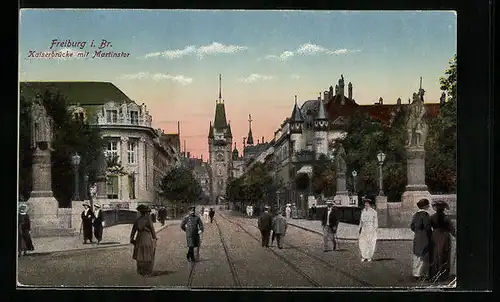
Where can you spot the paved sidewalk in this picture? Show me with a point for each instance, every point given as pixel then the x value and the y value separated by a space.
pixel 350 231
pixel 113 236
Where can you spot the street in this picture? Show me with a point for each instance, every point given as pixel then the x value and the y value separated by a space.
pixel 231 257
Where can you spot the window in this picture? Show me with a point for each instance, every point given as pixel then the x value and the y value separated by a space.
pixel 134 117
pixel 112 150
pixel 112 187
pixel 111 116
pixel 131 152
pixel 131 186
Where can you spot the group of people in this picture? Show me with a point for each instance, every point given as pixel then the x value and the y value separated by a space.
pixel 208 214
pixel 92 220
pixel 275 224
pixel 432 241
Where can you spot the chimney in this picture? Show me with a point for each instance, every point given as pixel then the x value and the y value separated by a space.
pixel 189 155
pixel 258 142
pixel 262 139
pixel 381 101
pixel 398 101
pixel 325 95
pixel 202 158
pixel 178 127
pixel 349 91
pixel 319 97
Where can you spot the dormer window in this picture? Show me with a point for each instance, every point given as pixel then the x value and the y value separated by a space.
pixel 134 117
pixel 111 116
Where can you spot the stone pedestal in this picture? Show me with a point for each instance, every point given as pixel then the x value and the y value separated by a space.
pixel 341 198
pixel 416 188
pixel 381 202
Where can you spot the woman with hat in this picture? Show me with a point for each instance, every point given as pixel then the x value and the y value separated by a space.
pixel 193 226
pixel 87 218
pixel 145 241
pixel 442 230
pixel 368 225
pixel 98 223
pixel 24 228
pixel 421 226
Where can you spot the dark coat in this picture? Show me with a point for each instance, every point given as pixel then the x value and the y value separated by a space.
pixel 421 226
pixel 211 213
pixel 442 230
pixel 191 225
pixel 279 225
pixel 99 218
pixel 144 242
pixel 87 224
pixel 24 237
pixel 265 221
pixel 333 220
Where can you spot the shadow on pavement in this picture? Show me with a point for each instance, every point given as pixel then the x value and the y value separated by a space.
pixel 108 243
pixel 161 273
pixel 384 259
pixel 37 254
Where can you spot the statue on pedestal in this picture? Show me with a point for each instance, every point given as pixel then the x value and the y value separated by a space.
pixel 416 125
pixel 41 126
pixel 341 164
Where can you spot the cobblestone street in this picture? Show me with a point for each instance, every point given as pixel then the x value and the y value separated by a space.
pixel 231 257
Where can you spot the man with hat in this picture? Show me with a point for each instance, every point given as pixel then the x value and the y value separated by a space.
pixel 265 224
pixel 87 218
pixel 193 226
pixel 330 221
pixel 24 241
pixel 421 226
pixel 98 223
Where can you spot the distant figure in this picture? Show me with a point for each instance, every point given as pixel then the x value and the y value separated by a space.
pixel 279 226
pixel 193 226
pixel 24 241
pixel 87 218
pixel 421 226
pixel 211 214
pixel 288 211
pixel 145 241
pixel 98 223
pixel 442 230
pixel 313 212
pixel 368 226
pixel 295 213
pixel 162 215
pixel 330 221
pixel 274 213
pixel 154 215
pixel 206 213
pixel 265 225
pixel 202 211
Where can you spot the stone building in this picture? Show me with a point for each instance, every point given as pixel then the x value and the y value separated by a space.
pixel 238 164
pixel 145 153
pixel 201 171
pixel 220 141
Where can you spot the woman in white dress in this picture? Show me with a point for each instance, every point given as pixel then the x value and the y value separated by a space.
pixel 368 226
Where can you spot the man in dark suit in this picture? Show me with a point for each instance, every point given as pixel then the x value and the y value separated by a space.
pixel 87 217
pixel 98 223
pixel 330 221
pixel 265 224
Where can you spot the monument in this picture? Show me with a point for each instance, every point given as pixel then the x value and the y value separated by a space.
pixel 43 206
pixel 416 188
pixel 342 196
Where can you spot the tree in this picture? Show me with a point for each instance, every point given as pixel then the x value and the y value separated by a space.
pixel 70 136
pixel 179 185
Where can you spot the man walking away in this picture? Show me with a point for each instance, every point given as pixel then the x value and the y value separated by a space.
pixel 265 225
pixel 329 222
pixel 279 228
pixel 98 223
pixel 211 214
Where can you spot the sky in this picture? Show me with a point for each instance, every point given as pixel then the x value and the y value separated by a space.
pixel 174 58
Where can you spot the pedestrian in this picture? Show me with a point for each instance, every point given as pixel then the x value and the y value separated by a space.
pixel 87 218
pixel 24 241
pixel 265 225
pixel 206 213
pixel 330 221
pixel 153 215
pixel 98 223
pixel 313 212
pixel 368 226
pixel 442 230
pixel 193 226
pixel 421 226
pixel 144 242
pixel 162 215
pixel 295 214
pixel 211 214
pixel 279 226
pixel 288 211
pixel 273 233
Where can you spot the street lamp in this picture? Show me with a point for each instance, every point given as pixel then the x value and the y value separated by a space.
pixel 354 174
pixel 381 158
pixel 75 161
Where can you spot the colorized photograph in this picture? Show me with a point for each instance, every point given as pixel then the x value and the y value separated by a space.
pixel 233 149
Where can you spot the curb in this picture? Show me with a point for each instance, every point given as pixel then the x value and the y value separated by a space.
pixel 97 247
pixel 344 238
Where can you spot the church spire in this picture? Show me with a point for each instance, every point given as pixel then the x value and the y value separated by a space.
pixel 220 88
pixel 250 136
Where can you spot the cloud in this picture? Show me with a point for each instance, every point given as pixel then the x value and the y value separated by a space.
pixel 256 77
pixel 157 77
pixel 202 51
pixel 309 49
pixel 295 76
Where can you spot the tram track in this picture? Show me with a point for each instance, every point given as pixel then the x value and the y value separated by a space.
pixel 306 253
pixel 232 267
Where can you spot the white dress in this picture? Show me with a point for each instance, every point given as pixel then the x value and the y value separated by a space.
pixel 368 237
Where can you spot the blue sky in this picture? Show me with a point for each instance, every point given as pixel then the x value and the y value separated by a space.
pixel 266 57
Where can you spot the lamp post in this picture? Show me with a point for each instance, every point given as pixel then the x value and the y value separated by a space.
pixel 75 161
pixel 354 174
pixel 381 158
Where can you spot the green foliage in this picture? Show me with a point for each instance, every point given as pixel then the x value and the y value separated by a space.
pixel 70 136
pixel 180 185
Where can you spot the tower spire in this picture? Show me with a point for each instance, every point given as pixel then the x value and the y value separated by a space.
pixel 250 136
pixel 220 88
pixel 420 83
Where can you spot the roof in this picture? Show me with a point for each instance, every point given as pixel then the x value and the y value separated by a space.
pixel 296 114
pixel 211 131
pixel 220 121
pixel 83 93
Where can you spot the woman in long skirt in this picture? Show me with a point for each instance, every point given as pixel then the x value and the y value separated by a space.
pixel 368 226
pixel 421 226
pixel 145 241
pixel 442 230
pixel 24 228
